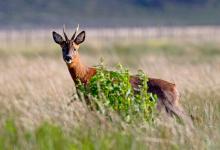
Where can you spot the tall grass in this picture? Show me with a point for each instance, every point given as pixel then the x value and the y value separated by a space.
pixel 37 88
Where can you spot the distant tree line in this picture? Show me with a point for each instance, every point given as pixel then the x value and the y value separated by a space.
pixel 162 3
pixel 18 12
pixel 12 4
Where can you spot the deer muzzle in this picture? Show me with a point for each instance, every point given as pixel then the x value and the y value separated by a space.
pixel 68 59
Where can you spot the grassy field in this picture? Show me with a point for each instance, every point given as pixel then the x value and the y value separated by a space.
pixel 36 90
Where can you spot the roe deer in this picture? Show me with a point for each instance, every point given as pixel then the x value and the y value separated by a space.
pixel 168 96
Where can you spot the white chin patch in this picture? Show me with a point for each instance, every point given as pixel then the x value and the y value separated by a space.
pixel 69 62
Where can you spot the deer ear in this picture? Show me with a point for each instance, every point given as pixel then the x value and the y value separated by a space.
pixel 80 37
pixel 57 38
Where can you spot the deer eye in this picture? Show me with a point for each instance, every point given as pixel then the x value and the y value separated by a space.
pixel 74 49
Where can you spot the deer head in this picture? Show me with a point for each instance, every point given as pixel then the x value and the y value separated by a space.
pixel 69 46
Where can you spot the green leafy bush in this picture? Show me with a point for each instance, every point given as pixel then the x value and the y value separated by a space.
pixel 113 90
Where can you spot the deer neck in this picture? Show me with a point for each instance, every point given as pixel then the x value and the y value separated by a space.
pixel 78 71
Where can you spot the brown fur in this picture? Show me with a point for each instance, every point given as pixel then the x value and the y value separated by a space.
pixel 166 92
pixel 162 89
pixel 168 96
pixel 78 71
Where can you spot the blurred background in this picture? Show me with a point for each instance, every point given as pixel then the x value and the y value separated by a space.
pixel 175 40
pixel 103 13
pixel 27 25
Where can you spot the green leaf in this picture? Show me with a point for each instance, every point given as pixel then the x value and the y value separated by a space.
pixel 112 90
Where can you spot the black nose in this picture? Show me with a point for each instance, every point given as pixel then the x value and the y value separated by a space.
pixel 68 58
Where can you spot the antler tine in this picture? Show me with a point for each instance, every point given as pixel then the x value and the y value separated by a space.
pixel 65 33
pixel 75 32
pixel 77 28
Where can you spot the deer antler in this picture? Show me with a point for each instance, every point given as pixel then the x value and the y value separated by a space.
pixel 75 32
pixel 65 33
